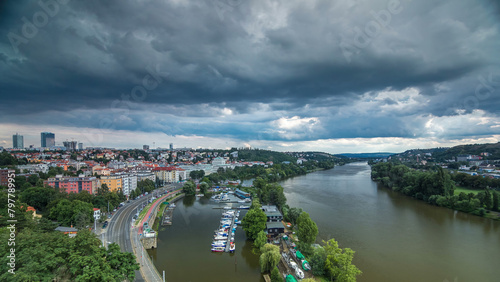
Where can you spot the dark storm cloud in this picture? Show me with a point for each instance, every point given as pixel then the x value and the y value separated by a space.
pixel 288 55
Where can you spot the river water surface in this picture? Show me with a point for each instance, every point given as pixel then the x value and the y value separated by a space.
pixel 396 238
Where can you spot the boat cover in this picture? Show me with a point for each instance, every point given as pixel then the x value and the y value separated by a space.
pixel 290 278
pixel 300 255
pixel 304 262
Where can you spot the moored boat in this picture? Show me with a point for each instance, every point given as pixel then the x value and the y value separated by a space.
pixel 218 249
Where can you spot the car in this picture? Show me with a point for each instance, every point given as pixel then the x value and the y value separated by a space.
pixel 114 210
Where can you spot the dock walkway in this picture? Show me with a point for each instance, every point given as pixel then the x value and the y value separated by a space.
pixel 228 243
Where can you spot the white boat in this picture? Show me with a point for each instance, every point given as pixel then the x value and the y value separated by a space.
pixel 244 207
pixel 299 273
pixel 306 265
pixel 232 247
pixel 220 237
pixel 218 249
pixel 218 243
pixel 293 265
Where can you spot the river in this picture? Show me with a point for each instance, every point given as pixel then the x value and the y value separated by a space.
pixel 184 247
pixel 396 238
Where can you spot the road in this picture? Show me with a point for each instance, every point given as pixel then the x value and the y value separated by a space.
pixel 119 228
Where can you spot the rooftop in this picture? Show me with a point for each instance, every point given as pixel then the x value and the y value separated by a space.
pixel 274 225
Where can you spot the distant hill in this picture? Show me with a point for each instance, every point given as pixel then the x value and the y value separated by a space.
pixel 445 153
pixel 366 155
pixel 264 156
pixel 319 156
pixel 474 149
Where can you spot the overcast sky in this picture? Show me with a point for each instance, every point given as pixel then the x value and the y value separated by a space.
pixel 335 76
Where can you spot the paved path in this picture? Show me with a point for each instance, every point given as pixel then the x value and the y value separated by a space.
pixel 122 232
pixel 148 270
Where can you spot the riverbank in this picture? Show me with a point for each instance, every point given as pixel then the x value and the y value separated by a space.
pixel 187 243
pixel 436 188
pixel 256 221
pixel 396 237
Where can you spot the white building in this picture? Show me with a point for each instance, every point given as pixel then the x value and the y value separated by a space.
pixel 129 183
pixel 146 175
pixel 219 162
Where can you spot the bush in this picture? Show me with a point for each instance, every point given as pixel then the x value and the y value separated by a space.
pixel 275 275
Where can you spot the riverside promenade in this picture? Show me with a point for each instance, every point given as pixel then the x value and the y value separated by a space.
pixel 147 269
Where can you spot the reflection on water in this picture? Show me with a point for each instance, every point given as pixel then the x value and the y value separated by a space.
pixel 396 238
pixel 184 248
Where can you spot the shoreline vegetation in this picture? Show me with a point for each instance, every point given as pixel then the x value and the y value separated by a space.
pixel 438 187
pixel 329 262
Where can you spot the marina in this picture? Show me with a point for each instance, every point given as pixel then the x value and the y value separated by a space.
pixel 224 236
pixel 167 214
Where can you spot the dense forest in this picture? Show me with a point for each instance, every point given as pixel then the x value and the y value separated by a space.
pixel 264 156
pixel 274 173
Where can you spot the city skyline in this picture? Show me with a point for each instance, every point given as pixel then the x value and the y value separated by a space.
pixel 342 77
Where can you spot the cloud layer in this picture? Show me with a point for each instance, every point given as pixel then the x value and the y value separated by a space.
pixel 262 71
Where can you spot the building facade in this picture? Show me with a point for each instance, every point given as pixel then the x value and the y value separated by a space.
pixel 71 184
pixel 166 174
pixel 70 145
pixel 129 183
pixel 114 182
pixel 146 175
pixel 17 141
pixel 48 139
pixel 4 176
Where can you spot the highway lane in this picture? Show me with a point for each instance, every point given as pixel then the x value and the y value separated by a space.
pixel 119 228
pixel 120 224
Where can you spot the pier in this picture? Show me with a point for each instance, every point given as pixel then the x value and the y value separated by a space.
pixel 228 243
pixel 225 233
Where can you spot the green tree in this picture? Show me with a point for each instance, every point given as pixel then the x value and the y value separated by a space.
pixel 33 179
pixel 305 248
pixel 204 187
pixel 495 201
pixel 317 261
pixel 259 242
pixel 7 159
pixel 189 188
pixel 255 204
pixel 307 230
pixel 293 214
pixel 72 212
pixel 38 197
pixel 275 275
pixel 103 190
pixel 88 261
pixel 253 222
pixel 339 263
pixel 269 258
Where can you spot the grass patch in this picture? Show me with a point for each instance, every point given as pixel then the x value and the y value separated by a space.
pixel 465 190
pixel 142 214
